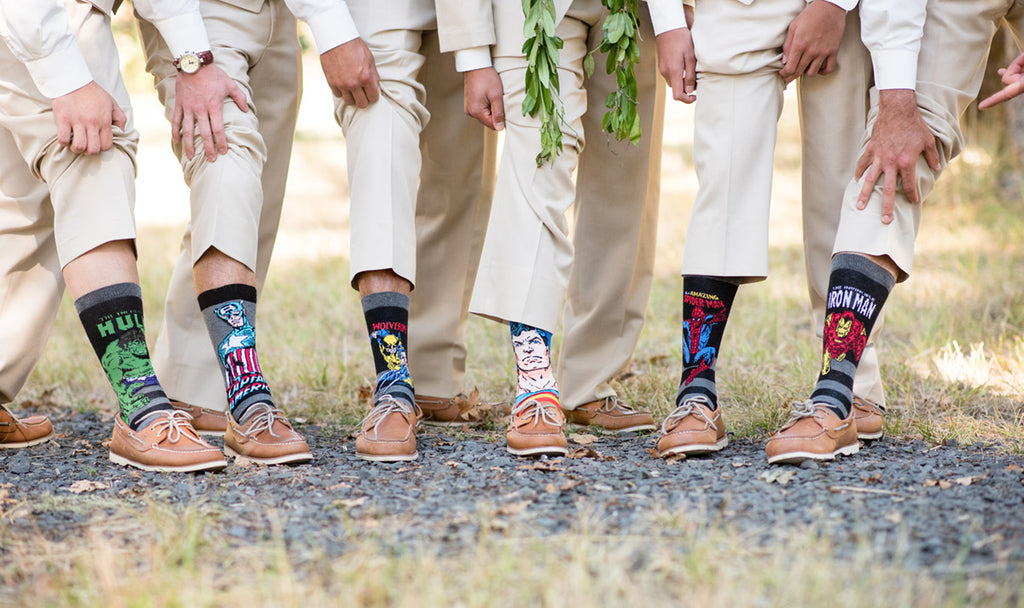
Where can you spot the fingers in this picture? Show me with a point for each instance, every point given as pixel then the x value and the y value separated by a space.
pixel 908 175
pixel 888 195
pixel 188 130
pixel 1008 92
pixel 871 175
pixel 206 136
pixel 931 155
pixel 120 119
pixel 690 74
pixel 219 136
pixel 64 132
pixel 498 112
pixel 237 96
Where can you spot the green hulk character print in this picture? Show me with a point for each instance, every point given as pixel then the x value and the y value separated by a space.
pixel 126 361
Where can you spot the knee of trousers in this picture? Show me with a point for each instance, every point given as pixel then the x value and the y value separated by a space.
pixel 93 201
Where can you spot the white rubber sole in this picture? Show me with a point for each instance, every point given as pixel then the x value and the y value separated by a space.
pixel 697 448
pixel 297 458
pixel 870 436
pixel 538 451
pixel 385 458
pixel 798 457
pixel 192 468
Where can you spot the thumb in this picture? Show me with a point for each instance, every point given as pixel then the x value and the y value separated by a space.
pixel 498 112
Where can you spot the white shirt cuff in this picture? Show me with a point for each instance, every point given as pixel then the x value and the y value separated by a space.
pixel 60 72
pixel 846 5
pixel 184 33
pixel 332 28
pixel 478 57
pixel 666 15
pixel 895 69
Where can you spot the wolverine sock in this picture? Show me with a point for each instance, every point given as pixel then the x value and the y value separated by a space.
pixel 387 321
pixel 230 314
pixel 857 289
pixel 112 318
pixel 534 378
pixel 707 303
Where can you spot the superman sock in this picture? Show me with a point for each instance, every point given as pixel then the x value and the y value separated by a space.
pixel 534 377
pixel 857 290
pixel 112 318
pixel 707 303
pixel 387 321
pixel 230 314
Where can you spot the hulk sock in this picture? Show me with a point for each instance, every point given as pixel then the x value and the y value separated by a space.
pixel 112 318
pixel 534 378
pixel 857 290
pixel 230 314
pixel 387 322
pixel 707 303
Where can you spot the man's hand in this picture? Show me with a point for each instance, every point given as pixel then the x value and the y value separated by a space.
pixel 483 97
pixel 199 102
pixel 352 73
pixel 678 63
pixel 812 41
pixel 898 138
pixel 1013 78
pixel 84 117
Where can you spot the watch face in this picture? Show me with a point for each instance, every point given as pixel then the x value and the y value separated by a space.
pixel 189 63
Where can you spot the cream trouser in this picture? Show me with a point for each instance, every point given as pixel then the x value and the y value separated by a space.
pixel 384 138
pixel 950 67
pixel 55 205
pixel 235 201
pixel 614 236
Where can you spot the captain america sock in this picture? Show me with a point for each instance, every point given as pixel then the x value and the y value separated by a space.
pixel 534 377
pixel 707 303
pixel 387 322
pixel 230 315
pixel 113 321
pixel 857 290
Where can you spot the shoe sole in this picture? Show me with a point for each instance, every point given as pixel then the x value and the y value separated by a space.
pixel 539 451
pixel 297 458
pixel 25 444
pixel 189 468
pixel 210 433
pixel 388 457
pixel 697 448
pixel 869 436
pixel 628 429
pixel 798 457
pixel 452 423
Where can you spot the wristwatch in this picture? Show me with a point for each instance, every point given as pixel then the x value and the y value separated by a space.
pixel 190 62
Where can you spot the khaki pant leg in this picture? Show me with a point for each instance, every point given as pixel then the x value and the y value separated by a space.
pixel 453 202
pixel 383 139
pixel 261 53
pixel 833 113
pixel 739 53
pixel 31 284
pixel 55 205
pixel 614 235
pixel 524 267
pixel 951 64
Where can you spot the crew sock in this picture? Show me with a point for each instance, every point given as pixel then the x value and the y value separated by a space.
pixel 707 303
pixel 230 314
pixel 534 377
pixel 857 290
pixel 113 321
pixel 387 321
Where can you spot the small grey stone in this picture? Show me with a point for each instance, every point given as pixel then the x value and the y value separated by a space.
pixel 809 464
pixel 19 465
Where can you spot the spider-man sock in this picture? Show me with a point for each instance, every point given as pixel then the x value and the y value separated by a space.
pixel 387 321
pixel 707 303
pixel 857 289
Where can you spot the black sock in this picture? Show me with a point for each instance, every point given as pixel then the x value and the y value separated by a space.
pixel 112 318
pixel 387 320
pixel 857 289
pixel 707 303
pixel 230 314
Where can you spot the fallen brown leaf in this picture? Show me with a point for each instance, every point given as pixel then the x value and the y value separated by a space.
pixel 578 453
pixel 87 485
pixel 452 464
pixel 583 438
pixel 348 503
pixel 1013 467
pixel 540 466
pixel 779 476
pixel 672 458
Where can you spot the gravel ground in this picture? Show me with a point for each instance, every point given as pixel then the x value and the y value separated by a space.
pixel 923 505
